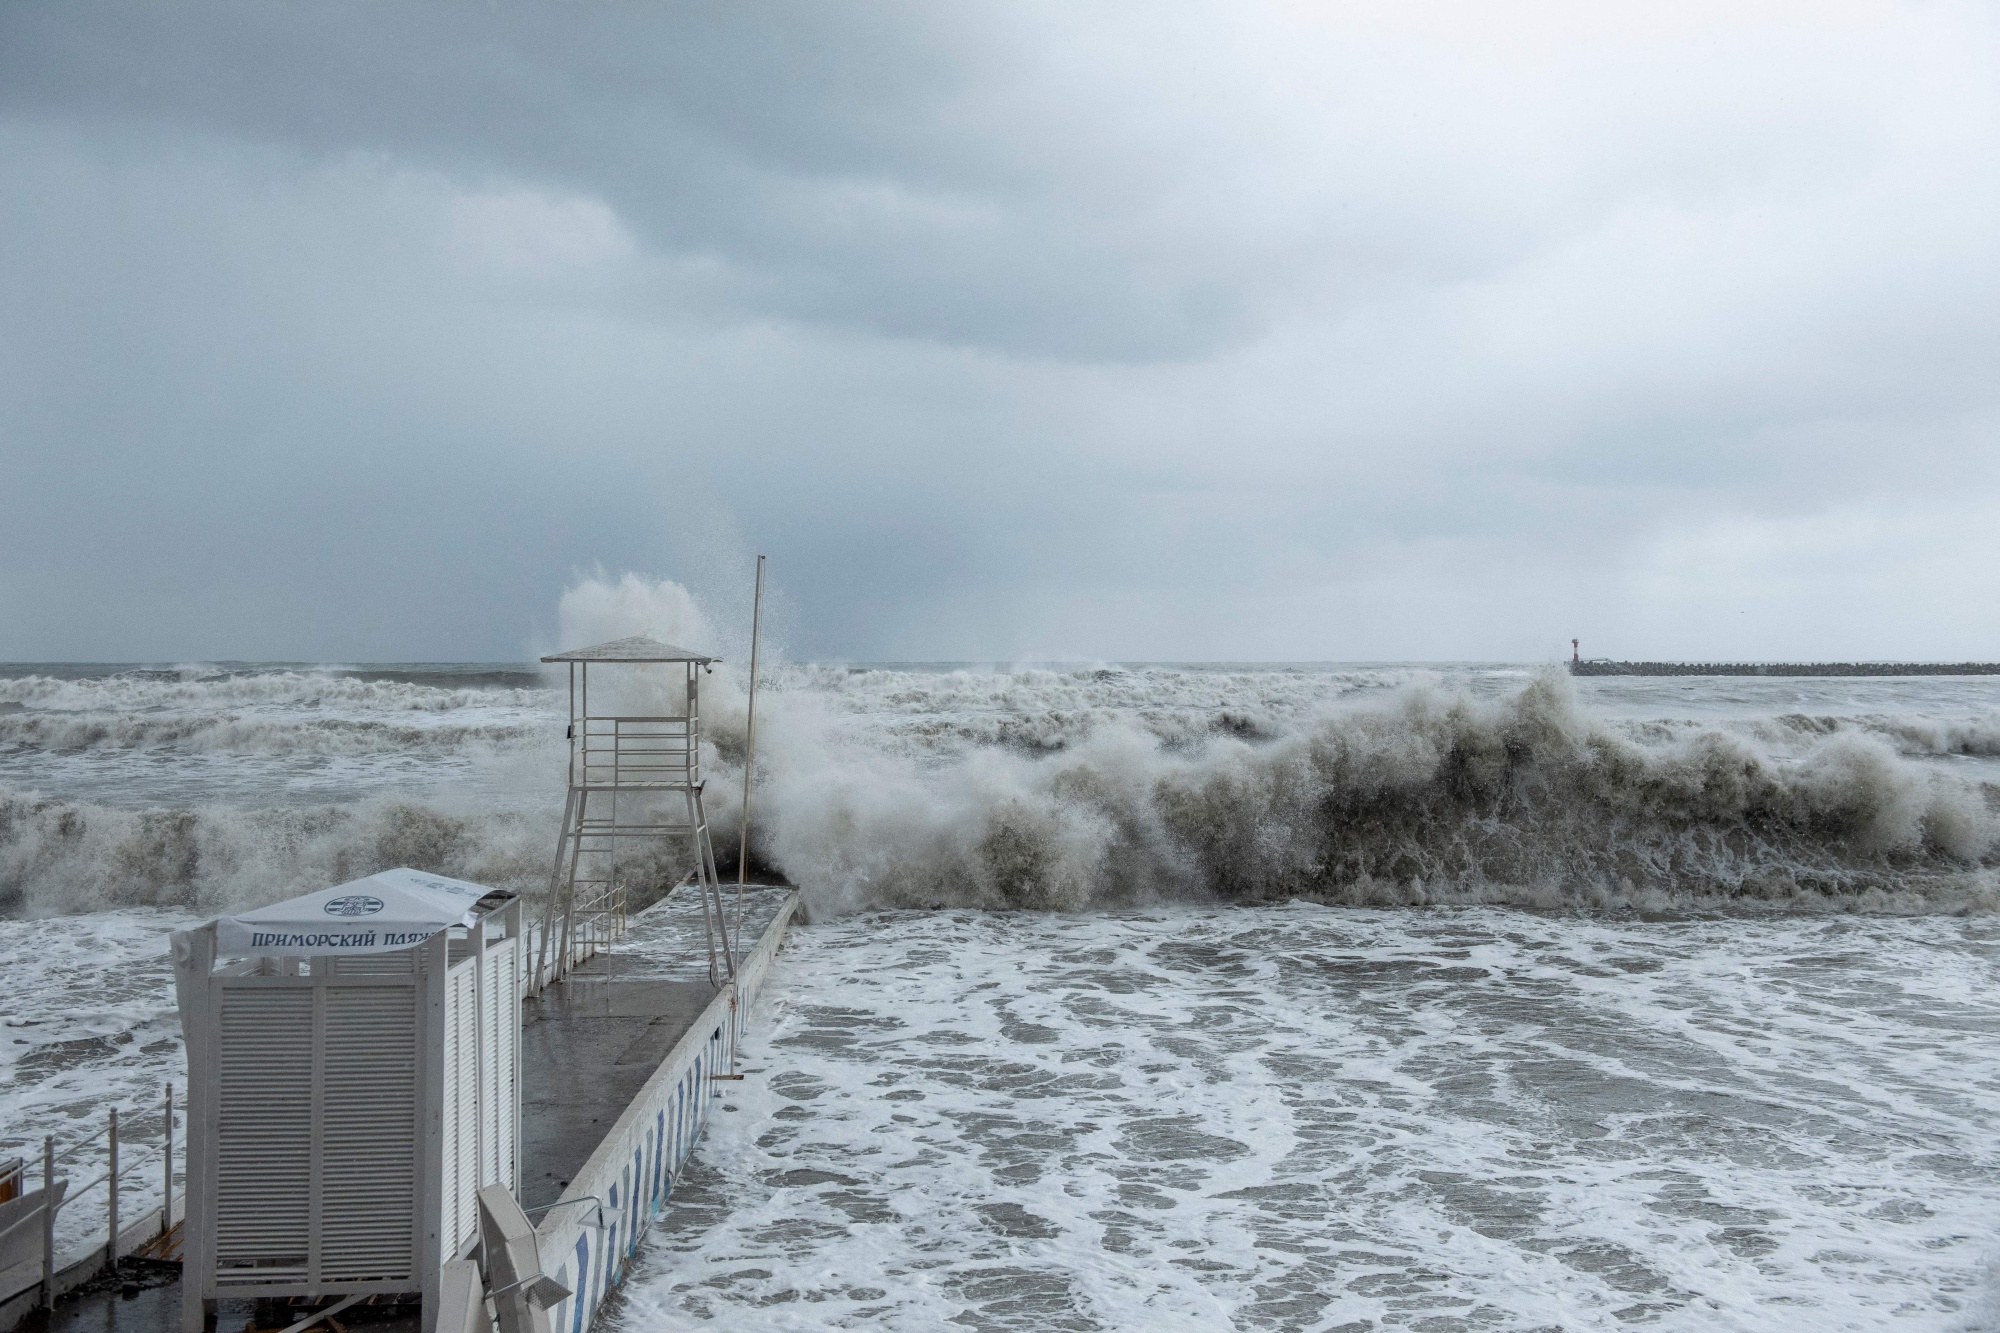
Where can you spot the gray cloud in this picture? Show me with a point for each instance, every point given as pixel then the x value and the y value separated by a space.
pixel 863 166
pixel 1205 331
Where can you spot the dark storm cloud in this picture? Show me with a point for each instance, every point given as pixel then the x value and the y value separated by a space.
pixel 854 165
pixel 1195 330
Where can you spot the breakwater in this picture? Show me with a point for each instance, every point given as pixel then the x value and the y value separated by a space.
pixel 1603 668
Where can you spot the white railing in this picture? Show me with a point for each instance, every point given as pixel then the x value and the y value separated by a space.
pixel 114 1177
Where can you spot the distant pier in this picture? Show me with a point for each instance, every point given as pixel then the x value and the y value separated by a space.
pixel 1600 667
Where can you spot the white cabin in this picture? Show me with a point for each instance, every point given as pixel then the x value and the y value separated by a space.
pixel 353 1080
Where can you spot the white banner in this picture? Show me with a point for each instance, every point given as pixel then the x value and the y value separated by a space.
pixel 392 910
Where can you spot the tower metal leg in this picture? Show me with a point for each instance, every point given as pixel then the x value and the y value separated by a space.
pixel 709 924
pixel 711 882
pixel 569 958
pixel 543 975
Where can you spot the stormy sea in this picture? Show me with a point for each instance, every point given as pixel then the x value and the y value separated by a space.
pixel 1168 996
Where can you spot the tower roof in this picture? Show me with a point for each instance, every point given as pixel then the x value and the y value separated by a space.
pixel 637 648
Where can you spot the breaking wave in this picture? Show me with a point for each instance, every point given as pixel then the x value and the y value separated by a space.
pixel 1035 788
pixel 58 734
pixel 1432 795
pixel 60 856
pixel 209 689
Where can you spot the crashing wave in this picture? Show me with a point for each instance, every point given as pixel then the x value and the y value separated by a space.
pixel 149 690
pixel 1432 796
pixel 63 733
pixel 1072 789
pixel 60 856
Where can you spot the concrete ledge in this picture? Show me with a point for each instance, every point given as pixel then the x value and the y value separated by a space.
pixel 23 1282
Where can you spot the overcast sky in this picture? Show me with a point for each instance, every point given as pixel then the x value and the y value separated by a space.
pixel 1010 331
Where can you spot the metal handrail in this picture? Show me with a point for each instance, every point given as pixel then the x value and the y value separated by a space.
pixel 598 1225
pixel 52 1206
pixel 123 1170
pixel 152 1154
pixel 71 1196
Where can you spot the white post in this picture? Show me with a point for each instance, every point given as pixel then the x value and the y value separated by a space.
pixel 200 1004
pixel 167 1168
pixel 111 1202
pixel 49 1223
pixel 434 962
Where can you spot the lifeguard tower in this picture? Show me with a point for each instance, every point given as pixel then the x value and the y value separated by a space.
pixel 634 777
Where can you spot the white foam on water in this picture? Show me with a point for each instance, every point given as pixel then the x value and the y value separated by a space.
pixel 220 789
pixel 150 737
pixel 1298 1117
pixel 87 1022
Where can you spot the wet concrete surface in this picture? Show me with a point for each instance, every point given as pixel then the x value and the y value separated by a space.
pixel 588 1044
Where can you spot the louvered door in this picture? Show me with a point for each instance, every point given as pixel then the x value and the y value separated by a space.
pixel 316 1158
pixel 461 1108
pixel 499 1124
pixel 368 1170
pixel 264 1123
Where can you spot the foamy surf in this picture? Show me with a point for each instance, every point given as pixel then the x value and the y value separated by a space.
pixel 1306 1118
pixel 88 1021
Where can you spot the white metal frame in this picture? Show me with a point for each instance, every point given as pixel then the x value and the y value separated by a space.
pixel 632 777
